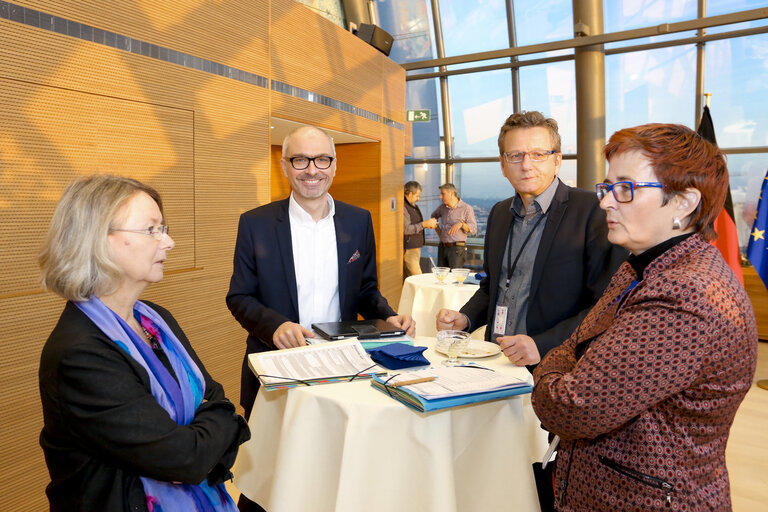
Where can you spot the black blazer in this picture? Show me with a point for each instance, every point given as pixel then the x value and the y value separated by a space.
pixel 103 428
pixel 413 217
pixel 574 264
pixel 263 294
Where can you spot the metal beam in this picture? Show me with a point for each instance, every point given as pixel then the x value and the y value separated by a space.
pixel 513 60
pixel 613 51
pixel 590 94
pixel 467 160
pixel 700 63
pixel 444 95
pixel 745 151
pixel 492 67
pixel 689 40
pixel 664 28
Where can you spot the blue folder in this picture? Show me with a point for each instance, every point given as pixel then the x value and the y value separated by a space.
pixel 421 404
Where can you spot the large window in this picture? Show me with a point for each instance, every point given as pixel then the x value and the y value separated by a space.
pixel 543 21
pixel 551 88
pixel 648 79
pixel 650 86
pixel 463 21
pixel 480 102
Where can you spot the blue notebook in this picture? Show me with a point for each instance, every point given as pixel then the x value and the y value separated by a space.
pixel 410 396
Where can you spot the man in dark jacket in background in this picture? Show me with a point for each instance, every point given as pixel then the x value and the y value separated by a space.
pixel 414 229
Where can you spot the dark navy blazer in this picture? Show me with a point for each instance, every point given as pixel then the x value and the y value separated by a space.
pixel 574 264
pixel 263 294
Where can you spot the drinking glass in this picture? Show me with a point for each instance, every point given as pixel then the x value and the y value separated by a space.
pixel 452 343
pixel 441 273
pixel 460 274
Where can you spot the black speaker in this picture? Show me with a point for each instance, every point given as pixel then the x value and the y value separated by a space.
pixel 376 37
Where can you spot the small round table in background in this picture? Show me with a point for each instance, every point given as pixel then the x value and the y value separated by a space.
pixel 423 296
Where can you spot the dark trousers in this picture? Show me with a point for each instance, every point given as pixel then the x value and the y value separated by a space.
pixel 453 257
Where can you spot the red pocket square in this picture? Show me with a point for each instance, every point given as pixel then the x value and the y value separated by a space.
pixel 354 257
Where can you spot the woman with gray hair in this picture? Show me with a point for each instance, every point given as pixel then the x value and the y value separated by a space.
pixel 132 420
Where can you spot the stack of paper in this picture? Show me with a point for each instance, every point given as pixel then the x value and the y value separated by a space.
pixel 313 364
pixel 441 388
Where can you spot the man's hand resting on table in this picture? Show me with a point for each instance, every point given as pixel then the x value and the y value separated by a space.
pixel 404 322
pixel 520 349
pixel 290 335
pixel 448 319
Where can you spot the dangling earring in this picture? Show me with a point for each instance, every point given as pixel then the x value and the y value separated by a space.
pixel 676 223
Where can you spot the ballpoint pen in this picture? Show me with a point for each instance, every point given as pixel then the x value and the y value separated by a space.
pixel 412 381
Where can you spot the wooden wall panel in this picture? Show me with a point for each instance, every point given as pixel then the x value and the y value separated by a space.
pixel 280 187
pixel 231 33
pixel 393 93
pixel 72 107
pixel 70 133
pixel 759 297
pixel 333 62
pixel 295 109
pixel 392 158
pixel 358 181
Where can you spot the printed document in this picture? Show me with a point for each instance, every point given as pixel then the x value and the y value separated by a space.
pixel 456 381
pixel 310 363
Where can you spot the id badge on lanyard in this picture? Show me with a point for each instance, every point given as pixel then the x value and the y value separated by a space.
pixel 500 321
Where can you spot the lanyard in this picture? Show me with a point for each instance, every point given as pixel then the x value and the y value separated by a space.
pixel 620 299
pixel 511 267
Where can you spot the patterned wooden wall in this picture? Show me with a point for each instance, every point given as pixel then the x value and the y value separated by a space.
pixel 178 94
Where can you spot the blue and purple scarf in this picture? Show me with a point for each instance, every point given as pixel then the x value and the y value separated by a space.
pixel 180 399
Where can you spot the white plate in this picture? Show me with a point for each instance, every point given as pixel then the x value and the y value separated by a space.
pixel 476 350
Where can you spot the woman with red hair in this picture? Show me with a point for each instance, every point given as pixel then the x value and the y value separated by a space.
pixel 643 394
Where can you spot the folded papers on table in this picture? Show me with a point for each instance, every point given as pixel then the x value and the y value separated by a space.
pixel 324 363
pixel 450 387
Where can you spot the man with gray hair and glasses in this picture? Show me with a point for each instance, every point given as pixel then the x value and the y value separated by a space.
pixel 547 255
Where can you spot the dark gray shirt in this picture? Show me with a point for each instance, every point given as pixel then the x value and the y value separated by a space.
pixel 524 222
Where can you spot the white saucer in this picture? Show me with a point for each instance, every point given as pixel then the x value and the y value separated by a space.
pixel 476 350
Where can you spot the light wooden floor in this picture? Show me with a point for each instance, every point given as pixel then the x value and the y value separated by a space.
pixel 747 452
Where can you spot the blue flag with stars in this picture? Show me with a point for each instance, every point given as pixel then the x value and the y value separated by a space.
pixel 757 250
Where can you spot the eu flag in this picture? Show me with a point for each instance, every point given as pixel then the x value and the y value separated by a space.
pixel 757 250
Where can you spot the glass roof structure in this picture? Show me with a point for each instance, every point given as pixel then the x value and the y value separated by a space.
pixel 472 63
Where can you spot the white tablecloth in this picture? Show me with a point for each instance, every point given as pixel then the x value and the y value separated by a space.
pixel 348 447
pixel 422 297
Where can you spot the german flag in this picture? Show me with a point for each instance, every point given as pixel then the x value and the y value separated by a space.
pixel 727 237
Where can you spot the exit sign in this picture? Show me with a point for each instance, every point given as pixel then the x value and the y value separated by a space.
pixel 419 116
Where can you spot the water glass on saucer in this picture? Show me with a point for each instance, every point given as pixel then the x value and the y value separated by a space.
pixel 452 343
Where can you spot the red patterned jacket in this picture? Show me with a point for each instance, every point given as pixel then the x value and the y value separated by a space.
pixel 644 414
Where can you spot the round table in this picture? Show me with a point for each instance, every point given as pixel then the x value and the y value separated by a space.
pixel 423 296
pixel 347 447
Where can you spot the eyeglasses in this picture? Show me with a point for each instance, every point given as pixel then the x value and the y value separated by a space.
pixel 155 231
pixel 302 162
pixel 535 156
pixel 623 191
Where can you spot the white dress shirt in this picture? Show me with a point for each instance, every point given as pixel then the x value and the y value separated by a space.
pixel 316 264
